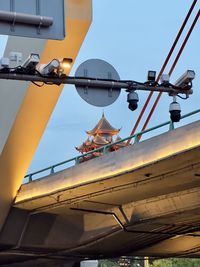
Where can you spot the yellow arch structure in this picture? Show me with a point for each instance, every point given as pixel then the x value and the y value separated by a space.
pixel 28 108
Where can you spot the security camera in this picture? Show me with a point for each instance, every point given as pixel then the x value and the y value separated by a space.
pixel 175 111
pixel 31 62
pixel 132 99
pixel 164 79
pixel 151 76
pixel 185 79
pixel 4 63
pixel 50 68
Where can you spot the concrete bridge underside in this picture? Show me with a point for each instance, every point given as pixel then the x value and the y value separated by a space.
pixel 142 200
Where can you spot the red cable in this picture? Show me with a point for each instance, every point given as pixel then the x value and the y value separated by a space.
pixel 172 69
pixel 163 67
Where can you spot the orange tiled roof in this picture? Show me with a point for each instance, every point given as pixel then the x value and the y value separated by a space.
pixel 103 127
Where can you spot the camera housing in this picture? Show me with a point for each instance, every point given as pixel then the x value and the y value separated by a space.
pixel 151 76
pixel 4 63
pixel 164 79
pixel 185 79
pixel 50 68
pixel 31 62
pixel 175 111
pixel 132 99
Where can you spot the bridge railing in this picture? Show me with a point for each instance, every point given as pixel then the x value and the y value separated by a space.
pixel 103 150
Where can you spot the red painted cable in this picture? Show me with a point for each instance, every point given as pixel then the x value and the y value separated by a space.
pixel 172 68
pixel 163 67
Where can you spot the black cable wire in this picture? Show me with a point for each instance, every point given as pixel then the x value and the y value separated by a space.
pixel 184 98
pixel 153 84
pixel 40 74
pixel 39 85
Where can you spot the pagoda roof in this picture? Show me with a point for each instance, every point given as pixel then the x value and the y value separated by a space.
pixel 100 140
pixel 95 142
pixel 103 127
pixel 122 144
pixel 84 145
pixel 118 138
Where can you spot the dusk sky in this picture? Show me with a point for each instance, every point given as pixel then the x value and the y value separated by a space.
pixel 133 36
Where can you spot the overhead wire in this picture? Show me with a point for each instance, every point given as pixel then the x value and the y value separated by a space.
pixel 163 68
pixel 172 69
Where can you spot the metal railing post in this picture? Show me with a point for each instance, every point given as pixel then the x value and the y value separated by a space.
pixel 52 170
pixel 105 150
pixel 136 139
pixel 77 160
pixel 30 178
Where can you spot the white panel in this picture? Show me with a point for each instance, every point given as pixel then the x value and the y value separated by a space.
pixel 12 92
pixel 40 9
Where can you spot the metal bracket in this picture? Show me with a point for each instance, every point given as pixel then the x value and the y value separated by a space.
pixel 85 75
pixel 111 89
pixel 38 13
pixel 12 9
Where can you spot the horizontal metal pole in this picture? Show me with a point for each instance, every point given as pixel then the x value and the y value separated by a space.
pixel 91 83
pixel 14 17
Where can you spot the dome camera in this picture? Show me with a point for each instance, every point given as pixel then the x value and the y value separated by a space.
pixel 175 111
pixel 132 99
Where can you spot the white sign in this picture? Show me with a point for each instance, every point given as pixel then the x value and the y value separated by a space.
pixel 33 18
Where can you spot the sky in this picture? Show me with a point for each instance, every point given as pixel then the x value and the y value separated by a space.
pixel 133 36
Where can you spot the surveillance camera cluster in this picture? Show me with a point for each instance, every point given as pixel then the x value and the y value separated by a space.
pixel 183 83
pixel 54 73
pixel 32 65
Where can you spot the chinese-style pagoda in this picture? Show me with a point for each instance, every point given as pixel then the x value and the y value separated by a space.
pixel 102 134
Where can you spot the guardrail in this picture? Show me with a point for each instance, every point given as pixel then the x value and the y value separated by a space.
pixel 104 149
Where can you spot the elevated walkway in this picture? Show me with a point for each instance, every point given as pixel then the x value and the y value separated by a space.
pixel 141 200
pixel 113 165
